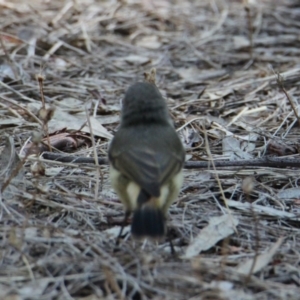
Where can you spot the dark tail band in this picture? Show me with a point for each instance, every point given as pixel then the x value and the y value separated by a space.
pixel 148 222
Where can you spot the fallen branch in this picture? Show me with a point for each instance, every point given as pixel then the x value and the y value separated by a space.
pixel 273 162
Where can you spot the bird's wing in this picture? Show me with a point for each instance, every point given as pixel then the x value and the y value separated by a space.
pixel 146 167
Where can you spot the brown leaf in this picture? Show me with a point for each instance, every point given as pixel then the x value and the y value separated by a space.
pixel 62 141
pixel 280 148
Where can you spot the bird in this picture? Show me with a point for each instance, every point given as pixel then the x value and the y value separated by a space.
pixel 146 158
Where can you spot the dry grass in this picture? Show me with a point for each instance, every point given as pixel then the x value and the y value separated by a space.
pixel 217 64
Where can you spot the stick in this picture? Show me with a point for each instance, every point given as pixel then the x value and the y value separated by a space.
pixel 274 162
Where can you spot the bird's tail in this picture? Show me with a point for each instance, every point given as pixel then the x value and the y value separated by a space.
pixel 148 221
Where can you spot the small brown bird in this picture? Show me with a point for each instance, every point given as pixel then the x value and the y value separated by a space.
pixel 146 157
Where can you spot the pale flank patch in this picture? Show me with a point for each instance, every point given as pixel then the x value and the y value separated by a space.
pixel 164 194
pixel 129 194
pixel 178 181
pixel 117 185
pixel 174 186
pixel 133 191
pixel 177 184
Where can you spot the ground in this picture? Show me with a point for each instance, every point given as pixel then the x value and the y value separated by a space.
pixel 229 71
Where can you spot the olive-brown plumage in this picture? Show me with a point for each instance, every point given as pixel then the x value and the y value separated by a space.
pixel 146 157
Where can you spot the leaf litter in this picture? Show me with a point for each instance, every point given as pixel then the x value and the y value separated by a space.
pixel 216 64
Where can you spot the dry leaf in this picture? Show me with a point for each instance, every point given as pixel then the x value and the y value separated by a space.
pixel 51 172
pixel 37 169
pixel 63 141
pixel 240 42
pixel 6 71
pixel 292 193
pixel 217 229
pixel 109 119
pixel 98 129
pixel 30 232
pixel 190 137
pixel 4 290
pixel 232 149
pixel 218 95
pixel 280 148
pixel 34 289
pixel 260 261
pixel 11 121
pixel 113 233
pixel 160 8
pixel 262 210
pixel 251 137
pixel 194 74
pixel 62 119
pixel 136 59
pixel 29 35
pixel 149 42
pixel 59 63
pixel 9 161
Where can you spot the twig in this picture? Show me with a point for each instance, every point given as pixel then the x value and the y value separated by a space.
pixel 280 83
pixel 95 155
pixel 250 30
pixel 22 107
pixel 272 162
pixel 45 114
pixel 248 187
pixel 23 97
pixel 73 159
pixel 256 231
pixel 214 167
